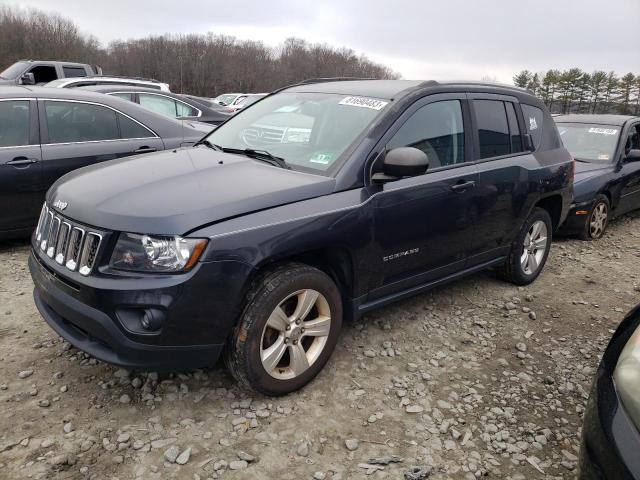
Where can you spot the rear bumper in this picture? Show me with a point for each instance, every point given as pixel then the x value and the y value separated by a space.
pixel 193 333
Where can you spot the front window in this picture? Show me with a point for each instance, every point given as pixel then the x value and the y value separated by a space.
pixel 14 71
pixel 590 142
pixel 310 131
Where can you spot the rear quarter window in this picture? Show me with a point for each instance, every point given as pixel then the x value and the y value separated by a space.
pixel 534 121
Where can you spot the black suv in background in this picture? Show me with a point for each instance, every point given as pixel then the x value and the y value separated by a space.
pixel 319 202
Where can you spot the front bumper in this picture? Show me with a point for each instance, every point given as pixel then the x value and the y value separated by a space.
pixel 576 223
pixel 610 440
pixel 199 311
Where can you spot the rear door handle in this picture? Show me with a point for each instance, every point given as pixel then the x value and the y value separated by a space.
pixel 145 149
pixel 21 162
pixel 461 187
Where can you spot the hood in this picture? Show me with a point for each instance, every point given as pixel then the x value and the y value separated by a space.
pixel 176 191
pixel 585 171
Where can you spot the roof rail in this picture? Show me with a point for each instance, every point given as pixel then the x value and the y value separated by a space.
pixel 310 81
pixel 482 83
pixel 332 79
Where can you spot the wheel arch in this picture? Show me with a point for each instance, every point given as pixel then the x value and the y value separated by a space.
pixel 553 205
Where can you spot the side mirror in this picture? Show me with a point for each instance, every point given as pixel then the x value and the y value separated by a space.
pixel 28 79
pixel 632 155
pixel 402 162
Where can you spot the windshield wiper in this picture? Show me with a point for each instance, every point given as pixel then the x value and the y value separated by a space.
pixel 581 160
pixel 261 155
pixel 207 143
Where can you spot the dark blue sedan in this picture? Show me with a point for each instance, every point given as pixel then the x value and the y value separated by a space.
pixel 607 179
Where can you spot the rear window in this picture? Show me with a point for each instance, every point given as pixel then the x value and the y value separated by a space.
pixel 534 120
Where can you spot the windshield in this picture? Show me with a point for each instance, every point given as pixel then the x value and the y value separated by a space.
pixel 310 131
pixel 14 71
pixel 226 99
pixel 590 142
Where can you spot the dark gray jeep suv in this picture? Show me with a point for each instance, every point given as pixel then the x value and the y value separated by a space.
pixel 319 202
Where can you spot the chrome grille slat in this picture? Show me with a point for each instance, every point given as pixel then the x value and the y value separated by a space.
pixel 43 214
pixel 63 239
pixel 53 236
pixel 89 250
pixel 46 230
pixel 75 244
pixel 68 243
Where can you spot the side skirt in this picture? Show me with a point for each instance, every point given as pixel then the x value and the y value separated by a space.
pixel 361 306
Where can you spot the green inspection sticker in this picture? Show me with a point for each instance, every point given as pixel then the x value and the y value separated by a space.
pixel 322 158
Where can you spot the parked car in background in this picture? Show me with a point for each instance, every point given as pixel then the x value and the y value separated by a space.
pixel 39 72
pixel 611 428
pixel 226 98
pixel 47 132
pixel 244 101
pixel 260 249
pixel 607 184
pixel 166 103
pixel 109 80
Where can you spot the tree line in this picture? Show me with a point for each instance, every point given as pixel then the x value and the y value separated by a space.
pixel 577 91
pixel 199 64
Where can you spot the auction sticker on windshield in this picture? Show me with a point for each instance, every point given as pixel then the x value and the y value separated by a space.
pixel 363 102
pixel 321 158
pixel 604 131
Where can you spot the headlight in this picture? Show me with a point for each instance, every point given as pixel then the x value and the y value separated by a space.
pixel 627 377
pixel 156 253
pixel 297 135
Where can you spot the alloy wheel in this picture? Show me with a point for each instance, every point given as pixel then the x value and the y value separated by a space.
pixel 598 220
pixel 534 247
pixel 295 334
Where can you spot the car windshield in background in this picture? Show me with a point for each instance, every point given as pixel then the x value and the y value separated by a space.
pixel 590 142
pixel 13 71
pixel 310 131
pixel 226 99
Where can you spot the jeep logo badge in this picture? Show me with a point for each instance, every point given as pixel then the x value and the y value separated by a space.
pixel 60 205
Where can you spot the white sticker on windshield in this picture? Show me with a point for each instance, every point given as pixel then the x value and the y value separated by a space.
pixel 603 131
pixel 532 123
pixel 372 103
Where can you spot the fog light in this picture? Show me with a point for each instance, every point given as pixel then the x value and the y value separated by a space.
pixel 152 319
pixel 146 321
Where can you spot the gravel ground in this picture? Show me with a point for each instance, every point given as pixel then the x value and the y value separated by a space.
pixel 478 378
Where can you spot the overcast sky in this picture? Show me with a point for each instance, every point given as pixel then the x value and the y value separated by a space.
pixel 420 39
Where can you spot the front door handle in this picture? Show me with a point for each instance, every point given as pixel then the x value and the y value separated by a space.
pixel 461 187
pixel 145 149
pixel 21 162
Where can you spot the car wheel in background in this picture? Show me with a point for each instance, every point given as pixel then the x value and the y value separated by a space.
pixel 288 330
pixel 530 249
pixel 597 220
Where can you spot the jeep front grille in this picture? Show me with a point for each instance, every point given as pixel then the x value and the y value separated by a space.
pixel 70 244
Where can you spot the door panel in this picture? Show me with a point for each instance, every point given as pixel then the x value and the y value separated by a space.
pixel 630 175
pixel 630 187
pixel 21 189
pixel 423 227
pixel 21 186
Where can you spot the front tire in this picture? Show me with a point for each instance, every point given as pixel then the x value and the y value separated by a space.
pixel 597 220
pixel 288 330
pixel 530 249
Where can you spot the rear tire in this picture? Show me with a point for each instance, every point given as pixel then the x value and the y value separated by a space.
pixel 530 249
pixel 597 220
pixel 288 330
